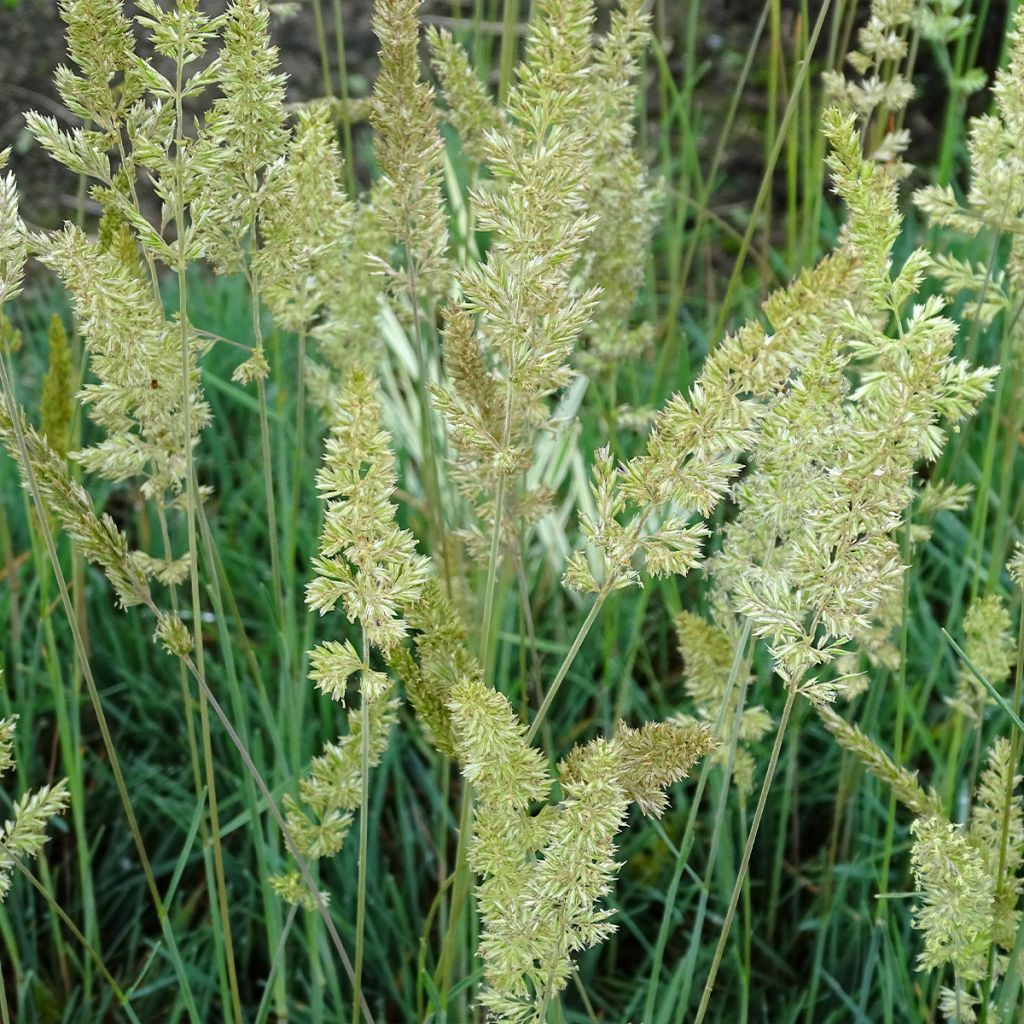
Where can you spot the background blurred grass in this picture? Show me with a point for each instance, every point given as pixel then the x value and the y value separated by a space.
pixel 730 128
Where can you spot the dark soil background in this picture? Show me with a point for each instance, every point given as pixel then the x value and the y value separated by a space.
pixel 32 44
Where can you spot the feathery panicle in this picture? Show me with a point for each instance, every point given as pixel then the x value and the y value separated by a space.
pixel 882 46
pixel 879 94
pixel 955 891
pixel 471 111
pixel 409 151
pixel 620 198
pixel 995 197
pixel 101 46
pixel 134 353
pixel 366 561
pixel 305 221
pixel 13 245
pixel 900 780
pixel 997 832
pixel 551 77
pixel 692 453
pixel 812 554
pixel 521 310
pixel 491 744
pixel 320 819
pixel 312 264
pixel 369 565
pixel 348 334
pixel 544 874
pixel 969 883
pixel 243 133
pixel 990 645
pixel 656 756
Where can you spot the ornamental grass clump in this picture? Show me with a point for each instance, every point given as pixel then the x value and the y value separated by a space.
pixel 455 335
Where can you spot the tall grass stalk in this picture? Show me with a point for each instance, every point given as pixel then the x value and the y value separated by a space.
pixel 748 850
pixel 788 115
pixel 115 764
pixel 223 931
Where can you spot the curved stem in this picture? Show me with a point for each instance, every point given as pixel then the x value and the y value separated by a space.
pixel 90 684
pixel 567 661
pixel 275 813
pixel 737 889
pixel 192 504
pixel 686 843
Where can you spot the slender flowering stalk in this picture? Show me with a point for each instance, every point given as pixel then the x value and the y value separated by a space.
pixel 812 553
pixel 368 566
pixel 544 873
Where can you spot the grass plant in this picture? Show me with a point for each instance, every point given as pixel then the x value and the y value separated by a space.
pixel 655 557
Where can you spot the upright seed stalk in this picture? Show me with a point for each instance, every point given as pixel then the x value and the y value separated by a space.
pixel 193 547
pixel 737 890
pixel 364 834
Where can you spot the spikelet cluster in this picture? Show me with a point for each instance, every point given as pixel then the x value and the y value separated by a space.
pixel 471 111
pixel 442 658
pixel 243 134
pixel 545 870
pixel 240 190
pixel 312 261
pixel 366 561
pixel 990 646
pixel 994 201
pixel 880 88
pixel 508 341
pixel 995 197
pixel 810 558
pixel 24 834
pixel 135 355
pixel 812 553
pixel 606 92
pixel 620 198
pixel 969 887
pixel 407 143
pixel 968 876
pixel 900 780
pixel 369 567
pixel 140 383
pixel 956 896
pixel 543 867
pixel 304 222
